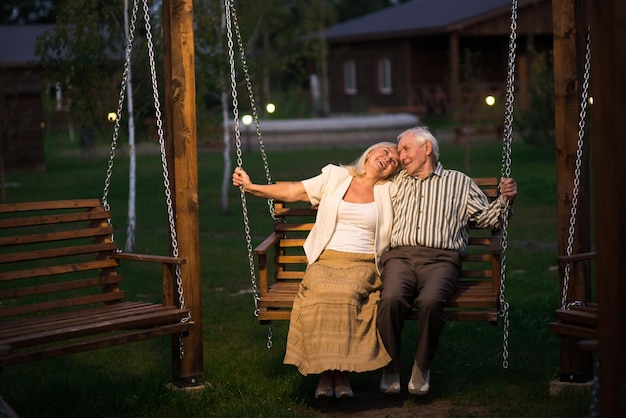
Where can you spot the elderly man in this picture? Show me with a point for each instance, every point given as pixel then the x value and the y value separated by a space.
pixel 432 211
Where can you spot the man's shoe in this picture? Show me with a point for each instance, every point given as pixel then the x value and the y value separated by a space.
pixel 390 383
pixel 420 381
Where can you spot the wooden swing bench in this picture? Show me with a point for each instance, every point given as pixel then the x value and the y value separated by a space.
pixel 578 322
pixel 59 288
pixel 477 296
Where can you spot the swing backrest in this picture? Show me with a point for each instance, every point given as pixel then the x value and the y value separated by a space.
pixel 60 288
pixel 56 255
pixel 281 265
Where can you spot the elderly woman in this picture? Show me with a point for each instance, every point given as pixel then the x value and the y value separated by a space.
pixel 333 321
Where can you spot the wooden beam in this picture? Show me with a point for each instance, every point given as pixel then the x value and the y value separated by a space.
pixel 181 132
pixel 608 19
pixel 575 365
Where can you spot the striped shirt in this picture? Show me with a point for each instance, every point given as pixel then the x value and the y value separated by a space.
pixel 436 211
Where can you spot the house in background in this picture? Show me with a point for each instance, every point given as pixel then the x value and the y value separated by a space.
pixel 22 96
pixel 434 58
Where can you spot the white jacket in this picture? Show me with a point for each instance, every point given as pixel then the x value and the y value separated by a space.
pixel 326 191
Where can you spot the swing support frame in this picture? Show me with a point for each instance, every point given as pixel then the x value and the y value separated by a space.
pixel 573 181
pixel 489 304
pixel 78 250
pixel 606 154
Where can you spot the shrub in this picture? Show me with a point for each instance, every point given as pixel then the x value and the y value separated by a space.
pixel 536 124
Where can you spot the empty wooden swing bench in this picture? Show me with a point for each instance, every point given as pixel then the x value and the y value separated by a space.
pixel 577 321
pixel 281 265
pixel 59 286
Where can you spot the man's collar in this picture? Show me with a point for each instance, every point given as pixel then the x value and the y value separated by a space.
pixel 438 171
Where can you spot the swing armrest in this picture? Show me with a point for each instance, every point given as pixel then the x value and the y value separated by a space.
pixel 267 244
pixel 150 258
pixel 168 284
pixel 563 259
pixel 261 252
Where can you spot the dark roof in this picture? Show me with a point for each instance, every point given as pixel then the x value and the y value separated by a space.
pixel 418 17
pixel 18 43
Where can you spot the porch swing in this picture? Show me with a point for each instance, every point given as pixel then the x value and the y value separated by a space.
pixel 60 288
pixel 280 256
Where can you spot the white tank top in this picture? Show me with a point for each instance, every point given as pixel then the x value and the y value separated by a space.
pixel 355 228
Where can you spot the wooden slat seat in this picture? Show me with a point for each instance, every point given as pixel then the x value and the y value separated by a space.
pixel 281 265
pixel 580 322
pixel 59 286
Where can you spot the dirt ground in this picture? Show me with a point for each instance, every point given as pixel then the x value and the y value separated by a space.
pixel 374 404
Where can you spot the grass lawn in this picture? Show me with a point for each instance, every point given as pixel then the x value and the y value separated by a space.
pixel 243 378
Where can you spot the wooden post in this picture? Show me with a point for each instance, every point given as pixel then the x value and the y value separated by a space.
pixel 181 134
pixel 608 68
pixel 575 365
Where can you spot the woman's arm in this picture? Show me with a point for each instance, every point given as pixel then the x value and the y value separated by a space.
pixel 287 192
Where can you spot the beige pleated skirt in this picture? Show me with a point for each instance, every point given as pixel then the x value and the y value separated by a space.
pixel 333 320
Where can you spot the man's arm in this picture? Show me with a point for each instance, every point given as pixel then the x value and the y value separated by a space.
pixel 488 215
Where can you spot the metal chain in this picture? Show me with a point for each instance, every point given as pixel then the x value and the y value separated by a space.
pixel 233 84
pixel 166 179
pixel 503 310
pixel 231 20
pixel 109 172
pixel 118 119
pixel 595 386
pixel 244 64
pixel 576 188
pixel 595 393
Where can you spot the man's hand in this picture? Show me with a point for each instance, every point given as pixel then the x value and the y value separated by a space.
pixel 508 189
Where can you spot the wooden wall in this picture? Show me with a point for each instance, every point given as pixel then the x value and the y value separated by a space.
pixel 366 57
pixel 423 66
pixel 21 121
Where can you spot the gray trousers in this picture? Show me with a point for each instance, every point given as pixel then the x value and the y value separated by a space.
pixel 422 277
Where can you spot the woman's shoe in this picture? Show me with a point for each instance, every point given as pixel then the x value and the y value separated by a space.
pixel 326 384
pixel 343 392
pixel 324 392
pixel 342 385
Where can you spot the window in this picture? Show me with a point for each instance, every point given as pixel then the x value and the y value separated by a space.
pixel 384 76
pixel 349 77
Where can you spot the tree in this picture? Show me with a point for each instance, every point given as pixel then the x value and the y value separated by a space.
pixel 132 178
pixel 263 35
pixel 536 125
pixel 81 52
pixel 84 53
pixel 29 11
pixel 280 55
pixel 85 48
